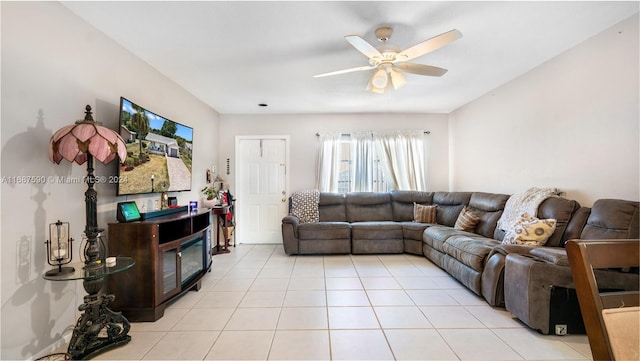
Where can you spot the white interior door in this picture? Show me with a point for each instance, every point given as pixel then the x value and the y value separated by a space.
pixel 261 188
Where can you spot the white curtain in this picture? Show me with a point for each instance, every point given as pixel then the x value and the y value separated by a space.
pixel 328 165
pixel 402 153
pixel 362 158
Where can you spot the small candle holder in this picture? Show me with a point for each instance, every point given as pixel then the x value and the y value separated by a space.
pixel 59 249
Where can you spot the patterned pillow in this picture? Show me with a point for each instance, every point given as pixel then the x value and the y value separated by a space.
pixel 530 231
pixel 424 214
pixel 467 220
pixel 304 205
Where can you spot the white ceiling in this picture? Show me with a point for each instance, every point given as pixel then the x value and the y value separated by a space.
pixel 234 55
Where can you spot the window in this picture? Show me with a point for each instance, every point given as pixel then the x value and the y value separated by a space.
pixel 347 178
pixel 371 162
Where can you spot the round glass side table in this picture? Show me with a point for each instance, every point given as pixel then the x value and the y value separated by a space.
pixel 98 328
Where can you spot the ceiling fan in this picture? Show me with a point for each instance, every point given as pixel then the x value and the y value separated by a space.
pixel 390 62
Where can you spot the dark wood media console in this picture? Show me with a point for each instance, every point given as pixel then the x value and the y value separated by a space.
pixel 172 253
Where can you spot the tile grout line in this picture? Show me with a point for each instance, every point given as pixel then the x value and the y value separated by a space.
pixel 326 307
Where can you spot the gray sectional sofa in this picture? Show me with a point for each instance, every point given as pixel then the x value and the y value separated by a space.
pixel 505 275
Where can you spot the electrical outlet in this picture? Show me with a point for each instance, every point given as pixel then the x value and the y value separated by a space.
pixel 561 330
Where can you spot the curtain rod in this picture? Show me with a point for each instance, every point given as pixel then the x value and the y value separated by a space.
pixel 348 134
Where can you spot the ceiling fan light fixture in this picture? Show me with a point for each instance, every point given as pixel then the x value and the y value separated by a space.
pixel 397 79
pixel 377 90
pixel 374 89
pixel 380 79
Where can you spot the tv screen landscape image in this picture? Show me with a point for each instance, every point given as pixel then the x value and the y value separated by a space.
pixel 159 152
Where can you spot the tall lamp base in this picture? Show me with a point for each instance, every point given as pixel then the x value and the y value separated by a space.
pixel 98 328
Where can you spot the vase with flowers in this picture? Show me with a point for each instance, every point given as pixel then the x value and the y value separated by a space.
pixel 210 197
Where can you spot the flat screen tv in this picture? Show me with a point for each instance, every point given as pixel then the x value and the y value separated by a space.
pixel 159 152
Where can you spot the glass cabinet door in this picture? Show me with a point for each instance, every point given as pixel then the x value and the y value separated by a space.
pixel 170 284
pixel 181 263
pixel 192 259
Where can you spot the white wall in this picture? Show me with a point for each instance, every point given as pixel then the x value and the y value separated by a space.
pixel 571 123
pixel 53 64
pixel 302 129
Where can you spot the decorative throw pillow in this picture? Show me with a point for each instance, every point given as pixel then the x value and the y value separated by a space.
pixel 467 220
pixel 530 231
pixel 304 205
pixel 424 214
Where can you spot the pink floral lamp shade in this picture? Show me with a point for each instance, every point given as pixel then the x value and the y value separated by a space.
pixel 73 142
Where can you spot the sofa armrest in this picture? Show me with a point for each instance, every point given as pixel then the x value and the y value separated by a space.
pixel 505 249
pixel 553 255
pixel 492 284
pixel 290 234
pixel 293 220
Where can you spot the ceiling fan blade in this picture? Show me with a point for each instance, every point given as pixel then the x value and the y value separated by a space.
pixel 367 67
pixel 363 46
pixel 429 45
pixel 420 69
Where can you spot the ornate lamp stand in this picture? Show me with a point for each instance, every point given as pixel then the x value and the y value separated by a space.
pixel 98 328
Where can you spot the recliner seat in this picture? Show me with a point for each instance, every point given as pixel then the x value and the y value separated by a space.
pixel 529 278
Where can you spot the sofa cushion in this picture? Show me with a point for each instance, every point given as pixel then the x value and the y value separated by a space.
pixel 612 219
pixel 424 214
pixel 436 235
pixel 368 207
pixel 562 210
pixel 467 220
pixel 402 203
pixel 325 246
pixel 376 230
pixel 489 207
pixel 376 237
pixel 449 206
pixel 469 250
pixel 413 230
pixel 574 228
pixel 332 208
pixel 324 230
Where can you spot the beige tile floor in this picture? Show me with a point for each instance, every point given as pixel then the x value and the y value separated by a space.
pixel 259 304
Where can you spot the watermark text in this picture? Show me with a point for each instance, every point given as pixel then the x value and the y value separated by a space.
pixel 41 179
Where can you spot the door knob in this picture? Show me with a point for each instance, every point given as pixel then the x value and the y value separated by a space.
pixel 284 200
